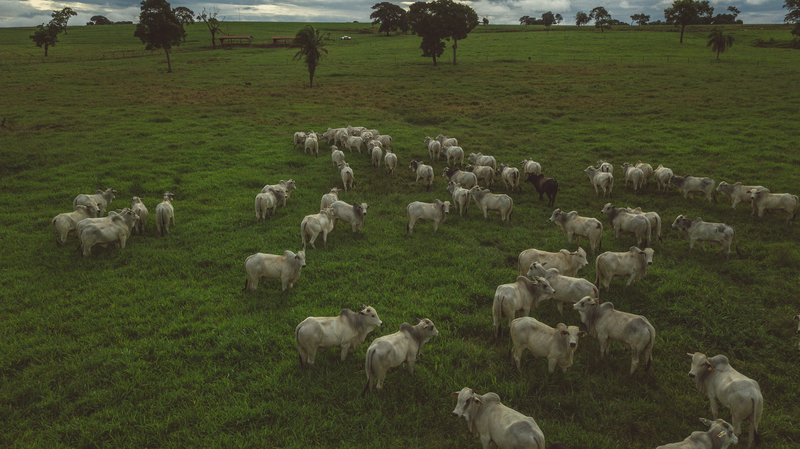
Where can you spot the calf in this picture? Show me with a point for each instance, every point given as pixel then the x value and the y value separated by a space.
pixel 329 198
pixel 495 424
pixel 568 289
pixel 719 436
pixel 558 344
pixel 394 349
pixel 346 331
pixel 634 175
pixel 65 223
pixel 486 201
pixel 482 173
pixel 523 295
pixel 606 323
pixel 424 172
pixel 353 214
pixel 313 225
pixel 688 184
pixel 574 225
pixel 632 263
pixel 565 262
pixel 467 179
pixel 719 381
pixel 663 175
pixel 602 179
pixel 544 185
pixel 140 209
pixel 270 266
pixel 267 202
pixel 738 193
pixel 480 159
pixel 699 230
pixel 390 160
pixel 100 198
pixel 774 201
pixel 115 230
pixel 460 197
pixel 165 214
pixel 622 220
pixel 347 175
pixel 510 176
pixel 436 212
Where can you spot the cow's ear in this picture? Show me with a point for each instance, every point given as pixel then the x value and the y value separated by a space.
pixel 564 333
pixel 477 401
pixel 706 422
pixel 690 354
pixel 796 318
pixel 454 395
pixel 582 334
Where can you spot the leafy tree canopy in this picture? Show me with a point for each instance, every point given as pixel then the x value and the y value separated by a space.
pixel 718 41
pixel 46 35
pixel 312 49
pixel 688 12
pixel 601 17
pixel 794 15
pixel 184 15
pixel 99 20
pixel 438 20
pixel 391 17
pixel 159 28
pixel 62 17
pixel 581 18
pixel 640 19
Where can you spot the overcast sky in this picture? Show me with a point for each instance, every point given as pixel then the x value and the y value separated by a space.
pixel 18 13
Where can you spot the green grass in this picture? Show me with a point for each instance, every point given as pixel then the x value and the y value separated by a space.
pixel 156 345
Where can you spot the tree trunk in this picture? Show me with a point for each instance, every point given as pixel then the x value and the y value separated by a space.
pixel 455 47
pixel 213 40
pixel 682 27
pixel 434 60
pixel 169 64
pixel 45 49
pixel 718 54
pixel 310 80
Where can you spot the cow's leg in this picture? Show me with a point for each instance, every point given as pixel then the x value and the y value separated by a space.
pixel 560 307
pixel 602 340
pixel 345 350
pixel 516 352
pixel 411 361
pixel 714 410
pixel 551 365
pixel 691 242
pixel 631 279
pixel 285 283
pixel 634 359
pixel 313 238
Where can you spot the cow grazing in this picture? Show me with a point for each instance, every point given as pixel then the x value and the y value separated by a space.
pixel 606 323
pixel 390 159
pixel 434 148
pixel 510 176
pixel 688 185
pixel 140 209
pixel 623 221
pixel 267 202
pixel 424 172
pixel 165 214
pixel 460 197
pixel 286 186
pixel 574 225
pixel 482 173
pixel 65 223
pixel 634 175
pixel 270 266
pixel 347 175
pixel 530 166
pixel 544 185
pixel 454 154
pixel 568 289
pixel 346 331
pixel 523 295
pixel 313 225
pixel 719 381
pixel 436 212
pixel 605 167
pixel 557 345
pixel 329 198
pixel 394 349
pixel 100 198
pixel 663 175
pixel 738 193
pixel 353 214
pixel 567 263
pixel 486 201
pixel 495 424
pixel 699 230
pixel 655 223
pixel 763 201
pixel 602 179
pixel 480 159
pixel 467 179
pixel 718 436
pixel 117 230
pixel 632 263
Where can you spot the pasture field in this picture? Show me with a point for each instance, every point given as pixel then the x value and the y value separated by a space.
pixel 155 345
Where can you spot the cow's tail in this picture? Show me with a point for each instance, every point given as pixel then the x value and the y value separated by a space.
pixel 598 275
pixel 600 240
pixel 297 342
pixel 368 369
pixel 755 418
pixel 303 234
pixel 649 347
pixel 246 277
pixel 499 299
pixel 648 236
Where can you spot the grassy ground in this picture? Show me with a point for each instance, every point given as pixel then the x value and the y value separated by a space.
pixel 156 345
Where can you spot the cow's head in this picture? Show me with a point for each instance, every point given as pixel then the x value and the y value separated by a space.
pixel 570 334
pixel 581 256
pixel 300 258
pixel 797 318
pixel 556 215
pixel 700 364
pixel 413 166
pixel 536 270
pixel 590 171
pixel 681 223
pixel 586 303
pixel 370 315
pixel 607 209
pixel 720 432
pixel 467 405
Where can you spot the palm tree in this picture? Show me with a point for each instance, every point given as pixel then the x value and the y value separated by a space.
pixel 719 42
pixel 312 49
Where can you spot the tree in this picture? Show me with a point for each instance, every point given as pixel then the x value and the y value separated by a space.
pixel 46 35
pixel 581 18
pixel 687 12
pixel 424 23
pixel 99 20
pixel 391 17
pixel 601 17
pixel 524 20
pixel 185 16
pixel 159 28
pixel 719 42
pixel 214 25
pixel 485 21
pixel 735 11
pixel 559 18
pixel 794 15
pixel 441 19
pixel 549 19
pixel 457 20
pixel 62 17
pixel 312 49
pixel 640 19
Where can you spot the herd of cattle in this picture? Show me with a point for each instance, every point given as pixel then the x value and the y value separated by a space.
pixel 542 275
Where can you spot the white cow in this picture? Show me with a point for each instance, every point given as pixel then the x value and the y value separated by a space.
pixel 719 381
pixel 390 159
pixel 737 192
pixel 65 223
pixel 434 148
pixel 699 230
pixel 286 186
pixel 313 225
pixel 557 345
pixel 353 214
pixel 623 221
pixel 329 198
pixel 574 225
pixel 424 172
pixel 530 166
pixel 377 155
pixel 567 263
pixel 299 138
pixel 718 436
pixel 270 266
pixel 337 156
pixel 454 153
pixel 460 197
pixel 267 202
pixel 663 175
pixel 385 140
pixel 774 201
pixel 605 167
pixel 634 175
pixel 480 159
pixel 482 173
pixel 602 179
pixel 486 201
pixel 100 198
pixel 568 289
pixel 632 263
pixel 311 144
pixel 495 424
pixel 655 223
pixel 447 141
pixel 354 142
pixel 347 175
pixel 688 185
pixel 395 349
pixel 647 171
pixel 436 212
pixel 117 230
pixel 510 176
pixel 467 179
pixel 141 210
pixel 606 323
pixel 523 295
pixel 165 214
pixel 346 331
